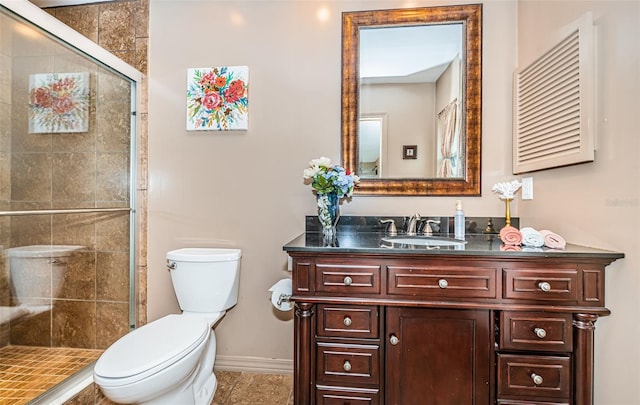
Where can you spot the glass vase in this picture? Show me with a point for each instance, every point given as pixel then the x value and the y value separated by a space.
pixel 328 214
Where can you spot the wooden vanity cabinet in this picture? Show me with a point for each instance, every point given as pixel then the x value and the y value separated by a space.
pixel 425 329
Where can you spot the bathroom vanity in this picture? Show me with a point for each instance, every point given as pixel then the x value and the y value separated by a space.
pixel 380 323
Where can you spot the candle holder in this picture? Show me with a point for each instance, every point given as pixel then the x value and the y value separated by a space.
pixel 507 213
pixel 506 191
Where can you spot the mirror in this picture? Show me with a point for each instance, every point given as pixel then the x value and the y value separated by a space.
pixel 411 100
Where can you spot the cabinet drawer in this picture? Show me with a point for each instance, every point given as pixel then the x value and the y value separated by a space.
pixel 536 331
pixel 327 395
pixel 347 321
pixel 348 363
pixel 541 285
pixel 472 282
pixel 540 377
pixel 343 279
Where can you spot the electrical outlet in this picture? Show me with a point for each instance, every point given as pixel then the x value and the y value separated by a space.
pixel 527 188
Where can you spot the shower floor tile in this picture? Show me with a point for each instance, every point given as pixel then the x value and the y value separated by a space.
pixel 27 371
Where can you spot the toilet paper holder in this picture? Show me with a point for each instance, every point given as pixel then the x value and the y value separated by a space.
pixel 284 298
pixel 281 293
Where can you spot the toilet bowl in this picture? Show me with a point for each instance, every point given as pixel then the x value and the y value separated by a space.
pixel 170 360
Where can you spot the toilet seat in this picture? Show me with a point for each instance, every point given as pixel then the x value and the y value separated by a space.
pixel 150 349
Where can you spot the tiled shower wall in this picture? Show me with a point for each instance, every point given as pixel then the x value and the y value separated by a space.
pixel 92 309
pixel 85 170
pixel 122 27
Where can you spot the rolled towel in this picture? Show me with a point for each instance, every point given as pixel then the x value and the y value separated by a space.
pixel 553 240
pixel 510 248
pixel 510 235
pixel 531 237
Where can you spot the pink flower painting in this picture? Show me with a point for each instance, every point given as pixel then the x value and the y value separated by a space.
pixel 217 98
pixel 58 102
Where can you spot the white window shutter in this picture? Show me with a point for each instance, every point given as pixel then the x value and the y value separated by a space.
pixel 554 103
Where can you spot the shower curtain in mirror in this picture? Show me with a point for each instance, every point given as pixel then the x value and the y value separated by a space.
pixel 447 139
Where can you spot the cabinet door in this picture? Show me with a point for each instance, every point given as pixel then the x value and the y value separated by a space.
pixel 437 356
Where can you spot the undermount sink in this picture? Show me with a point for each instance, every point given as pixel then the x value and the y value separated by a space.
pixel 424 240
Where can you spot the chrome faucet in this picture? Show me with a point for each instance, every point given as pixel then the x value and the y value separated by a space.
pixel 412 225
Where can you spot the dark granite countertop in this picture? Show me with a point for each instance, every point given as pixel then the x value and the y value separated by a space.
pixel 364 234
pixel 479 244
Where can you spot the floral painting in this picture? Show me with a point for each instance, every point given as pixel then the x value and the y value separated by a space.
pixel 58 102
pixel 217 98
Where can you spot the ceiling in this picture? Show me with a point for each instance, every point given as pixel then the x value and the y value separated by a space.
pixel 409 53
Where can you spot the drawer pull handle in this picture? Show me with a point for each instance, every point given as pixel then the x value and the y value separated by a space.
pixel 394 340
pixel 442 283
pixel 347 281
pixel 541 333
pixel 347 321
pixel 346 366
pixel 544 286
pixel 537 379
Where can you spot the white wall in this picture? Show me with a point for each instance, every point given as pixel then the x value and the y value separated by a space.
pixel 245 189
pixel 598 204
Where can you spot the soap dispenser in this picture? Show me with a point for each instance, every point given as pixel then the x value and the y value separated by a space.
pixel 458 221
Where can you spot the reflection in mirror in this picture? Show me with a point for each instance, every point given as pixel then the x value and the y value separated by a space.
pixel 421 69
pixel 414 82
pixel 372 148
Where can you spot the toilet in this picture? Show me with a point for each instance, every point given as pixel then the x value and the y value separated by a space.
pixel 170 360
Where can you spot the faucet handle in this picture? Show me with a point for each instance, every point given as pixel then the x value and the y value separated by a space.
pixel 426 228
pixel 391 229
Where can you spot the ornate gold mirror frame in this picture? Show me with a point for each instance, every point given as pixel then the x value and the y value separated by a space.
pixel 471 18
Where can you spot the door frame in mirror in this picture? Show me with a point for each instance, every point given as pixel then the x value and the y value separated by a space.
pixel 471 17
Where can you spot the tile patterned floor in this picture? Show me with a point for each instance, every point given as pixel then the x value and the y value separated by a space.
pixel 26 371
pixel 242 388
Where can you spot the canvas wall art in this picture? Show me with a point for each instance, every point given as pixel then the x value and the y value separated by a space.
pixel 58 102
pixel 217 98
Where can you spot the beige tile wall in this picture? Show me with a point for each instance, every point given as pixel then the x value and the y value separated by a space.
pixel 92 310
pixel 122 27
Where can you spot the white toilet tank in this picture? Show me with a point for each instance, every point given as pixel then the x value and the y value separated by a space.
pixel 37 271
pixel 205 279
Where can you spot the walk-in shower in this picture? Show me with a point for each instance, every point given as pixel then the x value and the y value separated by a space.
pixel 67 201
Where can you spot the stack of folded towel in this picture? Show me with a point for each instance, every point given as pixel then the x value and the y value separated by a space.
pixel 531 237
pixel 553 240
pixel 511 236
pixel 528 236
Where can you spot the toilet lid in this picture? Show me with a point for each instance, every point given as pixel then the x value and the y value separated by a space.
pixel 155 344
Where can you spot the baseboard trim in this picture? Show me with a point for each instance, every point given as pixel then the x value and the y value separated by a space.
pixel 254 364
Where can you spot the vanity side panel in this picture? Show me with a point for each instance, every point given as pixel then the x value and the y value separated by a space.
pixel 302 280
pixel 593 286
